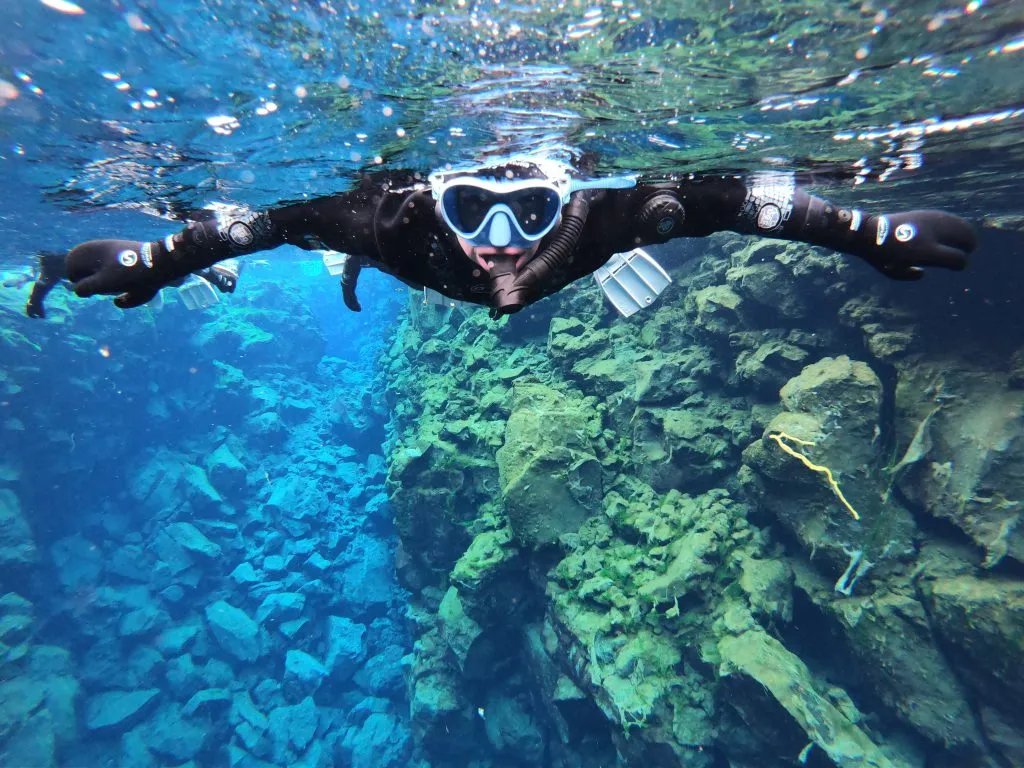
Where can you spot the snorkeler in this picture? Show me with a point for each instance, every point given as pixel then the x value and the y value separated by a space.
pixel 196 291
pixel 506 234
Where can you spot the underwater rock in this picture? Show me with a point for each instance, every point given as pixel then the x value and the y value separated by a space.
pixel 458 630
pixel 244 711
pixel 50 668
pixel 569 339
pixel 210 702
pixel 346 647
pixel 245 573
pixel 20 698
pixel 143 621
pixel 550 478
pixel 831 420
pixel 297 497
pixel 718 309
pixel 369 578
pixel 176 640
pixel 755 655
pixel 670 377
pixel 172 557
pixel 183 677
pixel 890 648
pixel 292 728
pixel 303 674
pixel 280 606
pixel 192 540
pixel 512 731
pixel 145 664
pixel 119 711
pixel 235 632
pixel 965 431
pixel 134 751
pixel 291 628
pixel 769 286
pixel 491 553
pixel 889 331
pixel 217 674
pixel 173 737
pixel 983 620
pixel 770 366
pixel 32 744
pixel 131 562
pixel 382 742
pixel 317 562
pixel 382 676
pixel 225 471
pixel 78 561
pixel 688 446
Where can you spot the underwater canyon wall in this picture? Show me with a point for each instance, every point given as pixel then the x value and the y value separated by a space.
pixel 771 519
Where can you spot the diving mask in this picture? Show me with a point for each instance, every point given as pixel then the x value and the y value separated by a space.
pixel 502 213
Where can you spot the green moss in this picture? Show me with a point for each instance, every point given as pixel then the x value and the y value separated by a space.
pixel 485 555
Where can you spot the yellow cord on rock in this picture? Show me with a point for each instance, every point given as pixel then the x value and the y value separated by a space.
pixel 778 437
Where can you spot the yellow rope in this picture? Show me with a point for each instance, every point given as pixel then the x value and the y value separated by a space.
pixel 778 437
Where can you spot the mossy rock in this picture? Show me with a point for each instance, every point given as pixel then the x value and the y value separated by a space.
pixel 550 478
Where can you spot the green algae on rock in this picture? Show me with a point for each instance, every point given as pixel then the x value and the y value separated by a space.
pixel 550 478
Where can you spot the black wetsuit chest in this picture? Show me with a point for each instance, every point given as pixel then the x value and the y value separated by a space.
pixel 415 245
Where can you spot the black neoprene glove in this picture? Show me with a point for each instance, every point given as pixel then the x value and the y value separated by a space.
pixel 898 245
pixel 51 272
pixel 128 269
pixel 35 306
pixel 349 279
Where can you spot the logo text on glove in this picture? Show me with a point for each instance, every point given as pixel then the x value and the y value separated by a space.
pixel 905 232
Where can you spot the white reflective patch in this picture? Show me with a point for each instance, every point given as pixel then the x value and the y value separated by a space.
pixel 169 243
pixel 240 234
pixel 858 217
pixel 883 230
pixel 766 188
pixel 128 258
pixel 147 254
pixel 905 232
pixel 769 216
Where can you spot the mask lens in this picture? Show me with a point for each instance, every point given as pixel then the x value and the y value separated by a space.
pixel 467 206
pixel 534 208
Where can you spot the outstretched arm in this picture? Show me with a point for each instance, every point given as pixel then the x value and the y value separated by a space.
pixel 772 205
pixel 134 271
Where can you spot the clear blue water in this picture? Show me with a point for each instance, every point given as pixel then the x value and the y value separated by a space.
pixel 117 119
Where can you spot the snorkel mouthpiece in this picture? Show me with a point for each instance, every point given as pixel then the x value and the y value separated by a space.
pixel 506 296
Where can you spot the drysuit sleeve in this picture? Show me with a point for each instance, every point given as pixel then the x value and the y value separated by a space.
pixel 134 271
pixel 771 204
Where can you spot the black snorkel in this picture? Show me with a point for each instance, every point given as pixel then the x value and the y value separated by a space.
pixel 511 291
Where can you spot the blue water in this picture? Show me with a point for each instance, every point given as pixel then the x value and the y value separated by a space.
pixel 231 536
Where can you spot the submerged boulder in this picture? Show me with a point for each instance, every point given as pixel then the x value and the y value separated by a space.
pixel 119 711
pixel 234 631
pixel 550 477
pixel 191 539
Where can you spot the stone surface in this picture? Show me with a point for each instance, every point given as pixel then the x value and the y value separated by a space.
pixel 191 539
pixel 346 646
pixel 550 478
pixel 119 711
pixel 303 674
pixel 235 632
